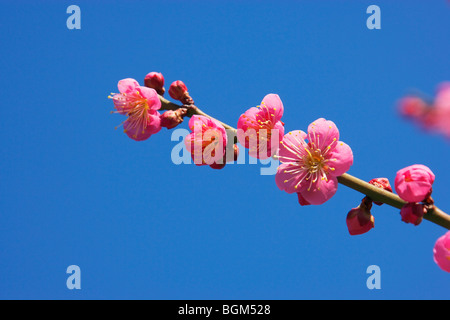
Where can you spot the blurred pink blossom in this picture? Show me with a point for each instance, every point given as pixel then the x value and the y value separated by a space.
pixel 441 252
pixel 431 116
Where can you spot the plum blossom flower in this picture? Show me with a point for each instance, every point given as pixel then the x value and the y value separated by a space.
pixel 441 252
pixel 207 142
pixel 413 183
pixel 260 128
pixel 140 105
pixel 310 168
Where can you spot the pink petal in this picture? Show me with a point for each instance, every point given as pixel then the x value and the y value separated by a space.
pixel 274 105
pixel 196 123
pixel 341 159
pixel 152 97
pixel 139 134
pixel 248 119
pixel 128 86
pixel 323 133
pixel 121 103
pixel 286 180
pixel 302 200
pixel 292 146
pixel 321 191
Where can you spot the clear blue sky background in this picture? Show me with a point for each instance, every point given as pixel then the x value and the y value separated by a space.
pixel 75 191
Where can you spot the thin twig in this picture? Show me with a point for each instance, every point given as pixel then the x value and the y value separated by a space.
pixel 434 214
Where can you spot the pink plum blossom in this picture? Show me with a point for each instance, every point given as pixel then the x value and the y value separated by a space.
pixel 413 183
pixel 441 252
pixel 312 162
pixel 207 142
pixel 140 105
pixel 413 212
pixel 260 128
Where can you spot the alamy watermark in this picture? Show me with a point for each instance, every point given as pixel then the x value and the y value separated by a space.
pixel 74 280
pixel 74 20
pixel 208 147
pixel 374 21
pixel 374 280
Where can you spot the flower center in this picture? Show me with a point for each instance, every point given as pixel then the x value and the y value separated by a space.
pixel 138 116
pixel 314 161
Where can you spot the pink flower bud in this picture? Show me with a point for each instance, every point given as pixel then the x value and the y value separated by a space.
pixel 413 183
pixel 382 183
pixel 413 213
pixel 236 152
pixel 155 80
pixel 441 252
pixel 171 118
pixel 178 90
pixel 360 220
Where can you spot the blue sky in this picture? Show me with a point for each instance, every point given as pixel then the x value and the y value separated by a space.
pixel 74 191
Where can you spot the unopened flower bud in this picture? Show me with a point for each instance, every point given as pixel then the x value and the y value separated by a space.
pixel 236 152
pixel 178 91
pixel 413 183
pixel 413 212
pixel 171 118
pixel 155 80
pixel 381 183
pixel 360 220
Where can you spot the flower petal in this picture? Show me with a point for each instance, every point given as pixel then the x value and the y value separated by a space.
pixel 322 191
pixel 302 200
pixel 152 97
pixel 128 86
pixel 341 159
pixel 288 177
pixel 197 122
pixel 274 105
pixel 139 134
pixel 292 147
pixel 323 133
